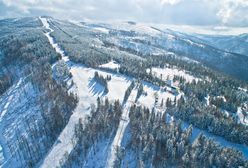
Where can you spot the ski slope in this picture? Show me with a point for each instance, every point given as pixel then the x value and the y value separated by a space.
pixel 87 91
pixel 121 129
pixel 64 141
pixel 46 25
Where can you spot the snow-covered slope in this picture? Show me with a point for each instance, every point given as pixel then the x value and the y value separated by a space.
pixel 236 44
pixel 19 106
pixel 169 73
pixel 150 40
pixel 88 90
pixel 121 129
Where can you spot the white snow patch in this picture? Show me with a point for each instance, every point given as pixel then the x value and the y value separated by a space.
pixel 102 29
pixel 207 100
pixel 171 72
pixel 148 98
pixel 136 27
pixel 170 37
pixel 111 65
pixel 243 89
pixel 193 43
pixel 241 118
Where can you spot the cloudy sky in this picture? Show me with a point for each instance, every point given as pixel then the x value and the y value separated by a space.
pixel 179 12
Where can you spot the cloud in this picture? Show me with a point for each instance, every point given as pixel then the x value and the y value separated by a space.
pixel 189 12
pixel 171 2
pixel 233 12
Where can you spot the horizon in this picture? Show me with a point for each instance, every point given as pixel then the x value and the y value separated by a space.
pixel 182 28
pixel 217 13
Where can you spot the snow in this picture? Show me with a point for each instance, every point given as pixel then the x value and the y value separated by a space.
pixel 171 72
pixel 6 100
pixel 131 43
pixel 111 65
pixel 148 99
pixel 137 27
pixel 243 89
pixel 170 37
pixel 99 156
pixel 102 29
pixel 192 43
pixel 222 97
pixel 207 100
pixel 45 24
pixel 51 41
pixel 121 128
pixel 19 103
pixel 64 141
pixel 88 90
pixel 207 30
pixel 78 23
pixel 241 118
pixel 220 140
pixel 147 28
pixel 1 155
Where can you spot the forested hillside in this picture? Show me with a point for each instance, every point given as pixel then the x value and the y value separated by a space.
pixel 119 95
pixel 34 107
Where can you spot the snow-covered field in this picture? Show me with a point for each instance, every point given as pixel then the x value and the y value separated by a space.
pixel 111 65
pixel 171 72
pixel 148 99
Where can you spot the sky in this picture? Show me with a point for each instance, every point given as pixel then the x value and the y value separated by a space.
pixel 233 13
